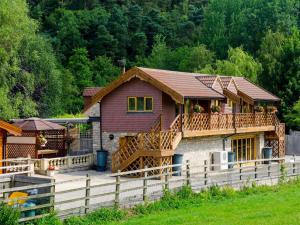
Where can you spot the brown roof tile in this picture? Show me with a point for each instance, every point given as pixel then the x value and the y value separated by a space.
pixel 225 81
pixel 186 84
pixel 37 124
pixel 207 80
pixel 91 91
pixel 253 90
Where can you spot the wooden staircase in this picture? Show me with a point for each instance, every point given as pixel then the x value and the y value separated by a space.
pixel 276 139
pixel 152 149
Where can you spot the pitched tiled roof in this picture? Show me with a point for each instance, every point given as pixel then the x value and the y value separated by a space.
pixel 253 91
pixel 225 81
pixel 182 84
pixel 186 84
pixel 91 91
pixel 37 124
pixel 207 80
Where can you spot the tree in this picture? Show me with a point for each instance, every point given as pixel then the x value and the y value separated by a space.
pixel 293 117
pixel 239 63
pixel 196 59
pixel 280 57
pixel 30 79
pixel 80 66
pixel 104 71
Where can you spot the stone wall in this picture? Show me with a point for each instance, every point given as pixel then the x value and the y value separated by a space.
pixel 199 149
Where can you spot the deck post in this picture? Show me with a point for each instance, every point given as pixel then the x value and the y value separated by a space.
pixel 205 172
pixel 145 182
pixel 117 193
pixel 269 170
pixel 87 193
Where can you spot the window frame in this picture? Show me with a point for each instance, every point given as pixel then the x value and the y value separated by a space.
pixel 250 147
pixel 135 102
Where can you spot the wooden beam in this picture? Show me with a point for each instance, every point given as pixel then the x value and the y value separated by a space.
pixel 10 128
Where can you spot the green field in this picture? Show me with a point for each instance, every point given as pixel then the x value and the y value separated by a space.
pixel 278 206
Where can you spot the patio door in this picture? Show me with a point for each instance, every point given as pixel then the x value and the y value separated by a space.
pixel 244 148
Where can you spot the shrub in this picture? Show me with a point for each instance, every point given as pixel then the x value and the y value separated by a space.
pixel 8 215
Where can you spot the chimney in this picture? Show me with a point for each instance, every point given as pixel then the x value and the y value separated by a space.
pixel 122 64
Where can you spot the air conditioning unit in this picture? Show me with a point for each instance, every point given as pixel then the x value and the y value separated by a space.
pixel 220 160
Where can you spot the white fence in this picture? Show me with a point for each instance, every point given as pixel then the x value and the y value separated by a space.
pixel 42 166
pixel 15 166
pixel 63 163
pixel 82 195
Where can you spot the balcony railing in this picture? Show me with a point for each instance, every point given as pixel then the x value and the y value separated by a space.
pixel 210 122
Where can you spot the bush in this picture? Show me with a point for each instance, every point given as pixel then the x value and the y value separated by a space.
pixel 8 215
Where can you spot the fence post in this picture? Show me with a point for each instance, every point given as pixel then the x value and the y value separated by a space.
pixel 205 172
pixel 52 197
pixel 166 181
pixel 241 170
pixel 30 166
pixel 294 164
pixel 255 170
pixel 145 181
pixel 188 173
pixel 87 193
pixel 117 194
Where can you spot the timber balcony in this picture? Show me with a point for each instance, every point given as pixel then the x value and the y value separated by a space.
pixel 204 124
pixel 156 147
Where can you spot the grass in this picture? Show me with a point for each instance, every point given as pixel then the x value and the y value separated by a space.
pixel 261 205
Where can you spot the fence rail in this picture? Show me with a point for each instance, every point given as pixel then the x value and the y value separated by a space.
pixel 82 195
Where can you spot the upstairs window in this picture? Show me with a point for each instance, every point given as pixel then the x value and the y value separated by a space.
pixel 140 104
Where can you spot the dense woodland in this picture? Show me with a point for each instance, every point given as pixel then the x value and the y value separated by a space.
pixel 51 49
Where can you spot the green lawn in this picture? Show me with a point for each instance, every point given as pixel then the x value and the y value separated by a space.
pixel 275 207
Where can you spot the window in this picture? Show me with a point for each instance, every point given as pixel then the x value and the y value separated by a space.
pixel 217 103
pixel 244 148
pixel 140 104
pixel 230 103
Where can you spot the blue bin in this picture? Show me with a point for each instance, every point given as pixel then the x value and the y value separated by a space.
pixel 177 159
pixel 29 213
pixel 231 159
pixel 101 160
pixel 267 153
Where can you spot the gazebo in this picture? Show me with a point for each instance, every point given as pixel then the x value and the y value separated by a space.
pixel 40 138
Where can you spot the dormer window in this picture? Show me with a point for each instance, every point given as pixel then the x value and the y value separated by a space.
pixel 140 104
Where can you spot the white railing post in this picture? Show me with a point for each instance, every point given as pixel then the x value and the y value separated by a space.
pixel 44 164
pixel 69 162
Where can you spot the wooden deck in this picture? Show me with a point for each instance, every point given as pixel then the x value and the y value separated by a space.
pixel 202 124
pixel 156 147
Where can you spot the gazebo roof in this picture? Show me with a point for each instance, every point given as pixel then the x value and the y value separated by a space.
pixel 37 124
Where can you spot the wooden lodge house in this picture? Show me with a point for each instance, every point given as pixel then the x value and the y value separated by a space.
pixel 148 115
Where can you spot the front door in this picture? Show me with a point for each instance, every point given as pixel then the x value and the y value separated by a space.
pixel 244 148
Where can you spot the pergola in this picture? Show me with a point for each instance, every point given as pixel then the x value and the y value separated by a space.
pixel 40 138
